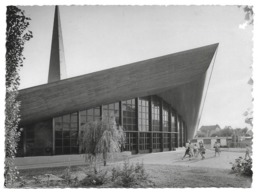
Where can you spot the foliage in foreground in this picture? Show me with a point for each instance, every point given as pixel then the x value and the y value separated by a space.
pixel 242 167
pixel 126 175
pixel 16 36
pixel 130 175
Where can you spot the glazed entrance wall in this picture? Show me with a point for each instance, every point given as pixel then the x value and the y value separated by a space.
pixel 151 125
pixel 36 139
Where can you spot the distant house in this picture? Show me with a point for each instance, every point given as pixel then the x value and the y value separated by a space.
pixel 209 130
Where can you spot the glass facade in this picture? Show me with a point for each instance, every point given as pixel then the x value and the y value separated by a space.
pixel 36 140
pixel 173 121
pixel 165 122
pixel 166 140
pixel 129 115
pixel 145 141
pixel 66 134
pixel 89 115
pixel 143 114
pixel 111 110
pixel 155 106
pixel 180 133
pixel 150 125
pixel 183 132
pixel 157 141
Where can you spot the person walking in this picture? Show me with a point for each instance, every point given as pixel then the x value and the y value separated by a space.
pixel 202 150
pixel 217 148
pixel 187 150
pixel 191 146
pixel 195 150
pixel 247 152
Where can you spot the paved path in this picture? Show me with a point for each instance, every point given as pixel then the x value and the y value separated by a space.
pixel 175 158
pixel 161 158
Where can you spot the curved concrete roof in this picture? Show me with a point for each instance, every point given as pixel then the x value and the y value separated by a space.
pixel 178 78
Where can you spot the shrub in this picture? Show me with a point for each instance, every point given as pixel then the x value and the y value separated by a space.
pixel 36 179
pixel 67 175
pixel 129 175
pixel 95 179
pixel 69 180
pixel 242 166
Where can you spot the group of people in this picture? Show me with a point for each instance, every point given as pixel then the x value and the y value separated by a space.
pixel 193 150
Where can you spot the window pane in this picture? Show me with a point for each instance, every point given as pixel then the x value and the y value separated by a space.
pixel 58 119
pixel 74 134
pixel 58 134
pixel 66 118
pixel 66 134
pixel 66 150
pixel 74 117
pixel 58 150
pixel 58 126
pixel 74 150
pixel 111 106
pixel 66 127
pixel 97 111
pixel 89 118
pixel 58 142
pixel 83 113
pixel 90 112
pixel 66 142
pixel 74 142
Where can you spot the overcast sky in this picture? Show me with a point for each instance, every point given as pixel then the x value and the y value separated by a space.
pixel 101 37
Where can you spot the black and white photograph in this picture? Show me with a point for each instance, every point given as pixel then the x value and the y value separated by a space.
pixel 128 96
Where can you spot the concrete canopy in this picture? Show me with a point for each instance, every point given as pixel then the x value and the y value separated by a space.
pixel 177 78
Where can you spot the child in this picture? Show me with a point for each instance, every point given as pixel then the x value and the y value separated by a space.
pixel 187 150
pixel 195 150
pixel 217 148
pixel 202 150
pixel 247 152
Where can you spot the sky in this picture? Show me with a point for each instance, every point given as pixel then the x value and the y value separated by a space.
pixel 100 37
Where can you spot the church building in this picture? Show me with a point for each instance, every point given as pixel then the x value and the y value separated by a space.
pixel 157 101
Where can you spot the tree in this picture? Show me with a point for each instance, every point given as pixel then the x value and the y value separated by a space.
pixel 226 132
pixel 100 138
pixel 200 134
pixel 249 17
pixel 215 134
pixel 249 116
pixel 16 36
pixel 240 131
pixel 249 13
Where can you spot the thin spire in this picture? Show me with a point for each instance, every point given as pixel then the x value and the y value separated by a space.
pixel 57 68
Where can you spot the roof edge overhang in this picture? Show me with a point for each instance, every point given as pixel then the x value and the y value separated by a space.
pixel 138 79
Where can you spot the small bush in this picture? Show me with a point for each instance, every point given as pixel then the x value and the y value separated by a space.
pixel 67 175
pixel 129 175
pixel 242 166
pixel 36 179
pixel 22 182
pixel 95 179
pixel 115 173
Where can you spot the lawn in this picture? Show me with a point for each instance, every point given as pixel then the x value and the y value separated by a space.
pixel 168 176
pixel 159 176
